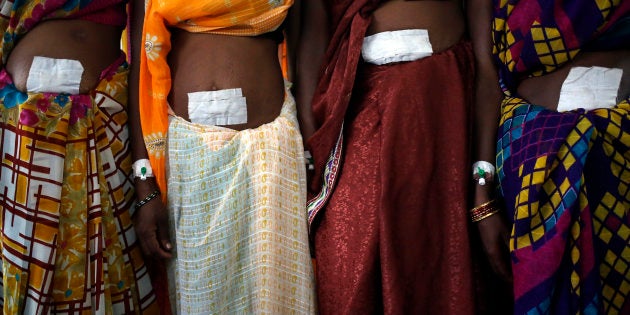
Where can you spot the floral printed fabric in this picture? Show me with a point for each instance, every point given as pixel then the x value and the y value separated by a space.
pixel 68 245
pixel 236 17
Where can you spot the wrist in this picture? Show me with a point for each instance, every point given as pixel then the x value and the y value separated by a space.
pixel 145 187
pixel 483 172
pixel 484 211
pixel 142 169
pixel 141 202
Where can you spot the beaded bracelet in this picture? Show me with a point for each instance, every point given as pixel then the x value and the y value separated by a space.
pixel 148 198
pixel 483 211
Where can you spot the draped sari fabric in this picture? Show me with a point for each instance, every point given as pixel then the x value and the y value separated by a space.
pixel 565 176
pixel 236 198
pixel 237 17
pixel 349 20
pixel 68 245
pixel 388 214
pixel 237 204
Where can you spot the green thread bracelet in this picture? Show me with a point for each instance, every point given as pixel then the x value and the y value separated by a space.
pixel 148 198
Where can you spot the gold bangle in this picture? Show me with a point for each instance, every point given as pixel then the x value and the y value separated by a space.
pixel 483 205
pixel 487 215
pixel 483 211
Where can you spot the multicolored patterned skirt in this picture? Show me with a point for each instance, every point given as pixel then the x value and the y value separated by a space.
pixel 68 245
pixel 237 201
pixel 566 181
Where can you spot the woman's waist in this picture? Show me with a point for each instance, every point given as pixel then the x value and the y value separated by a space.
pixel 443 20
pixel 591 80
pixel 207 63
pixel 286 119
pixel 74 49
pixel 220 50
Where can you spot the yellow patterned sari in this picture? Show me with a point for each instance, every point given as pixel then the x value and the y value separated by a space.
pixel 67 241
pixel 68 245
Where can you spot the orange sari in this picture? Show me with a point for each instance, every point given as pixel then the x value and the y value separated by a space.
pixel 241 18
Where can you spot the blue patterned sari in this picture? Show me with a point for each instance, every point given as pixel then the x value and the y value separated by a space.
pixel 565 176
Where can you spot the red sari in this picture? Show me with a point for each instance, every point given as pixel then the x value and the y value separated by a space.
pixel 392 153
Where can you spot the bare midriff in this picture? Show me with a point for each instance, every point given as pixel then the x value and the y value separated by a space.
pixel 209 62
pixel 545 90
pixel 96 46
pixel 444 20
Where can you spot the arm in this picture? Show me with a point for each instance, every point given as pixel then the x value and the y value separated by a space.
pixel 493 230
pixel 310 45
pixel 150 220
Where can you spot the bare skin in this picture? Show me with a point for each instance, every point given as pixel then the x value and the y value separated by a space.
pixel 96 46
pixel 545 90
pixel 249 63
pixel 443 19
pixel 493 231
pixel 202 62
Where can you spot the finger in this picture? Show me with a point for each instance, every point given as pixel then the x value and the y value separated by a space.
pixel 155 219
pixel 154 248
pixel 505 236
pixel 504 261
pixel 496 253
pixel 499 266
pixel 502 269
pixel 144 247
pixel 163 237
pixel 146 244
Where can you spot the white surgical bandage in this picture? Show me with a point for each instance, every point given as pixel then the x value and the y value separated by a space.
pixel 223 107
pixel 590 88
pixel 396 46
pixel 54 76
pixel 6 8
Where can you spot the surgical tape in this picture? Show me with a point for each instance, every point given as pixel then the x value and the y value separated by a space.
pixel 590 88
pixel 222 107
pixel 54 76
pixel 396 46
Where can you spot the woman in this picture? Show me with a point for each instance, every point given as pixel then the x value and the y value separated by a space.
pixel 392 117
pixel 562 153
pixel 67 241
pixel 215 110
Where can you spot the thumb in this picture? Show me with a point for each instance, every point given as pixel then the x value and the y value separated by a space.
pixel 163 235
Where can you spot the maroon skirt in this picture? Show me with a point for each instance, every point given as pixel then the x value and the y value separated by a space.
pixel 394 236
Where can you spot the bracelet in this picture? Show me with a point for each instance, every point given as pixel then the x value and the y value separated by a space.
pixel 308 160
pixel 142 169
pixel 481 170
pixel 483 211
pixel 148 198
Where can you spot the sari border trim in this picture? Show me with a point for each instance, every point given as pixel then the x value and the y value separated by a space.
pixel 331 169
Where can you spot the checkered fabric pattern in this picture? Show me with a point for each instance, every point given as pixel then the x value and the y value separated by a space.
pixel 536 37
pixel 564 176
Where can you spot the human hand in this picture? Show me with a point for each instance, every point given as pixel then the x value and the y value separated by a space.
pixel 151 225
pixel 495 235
